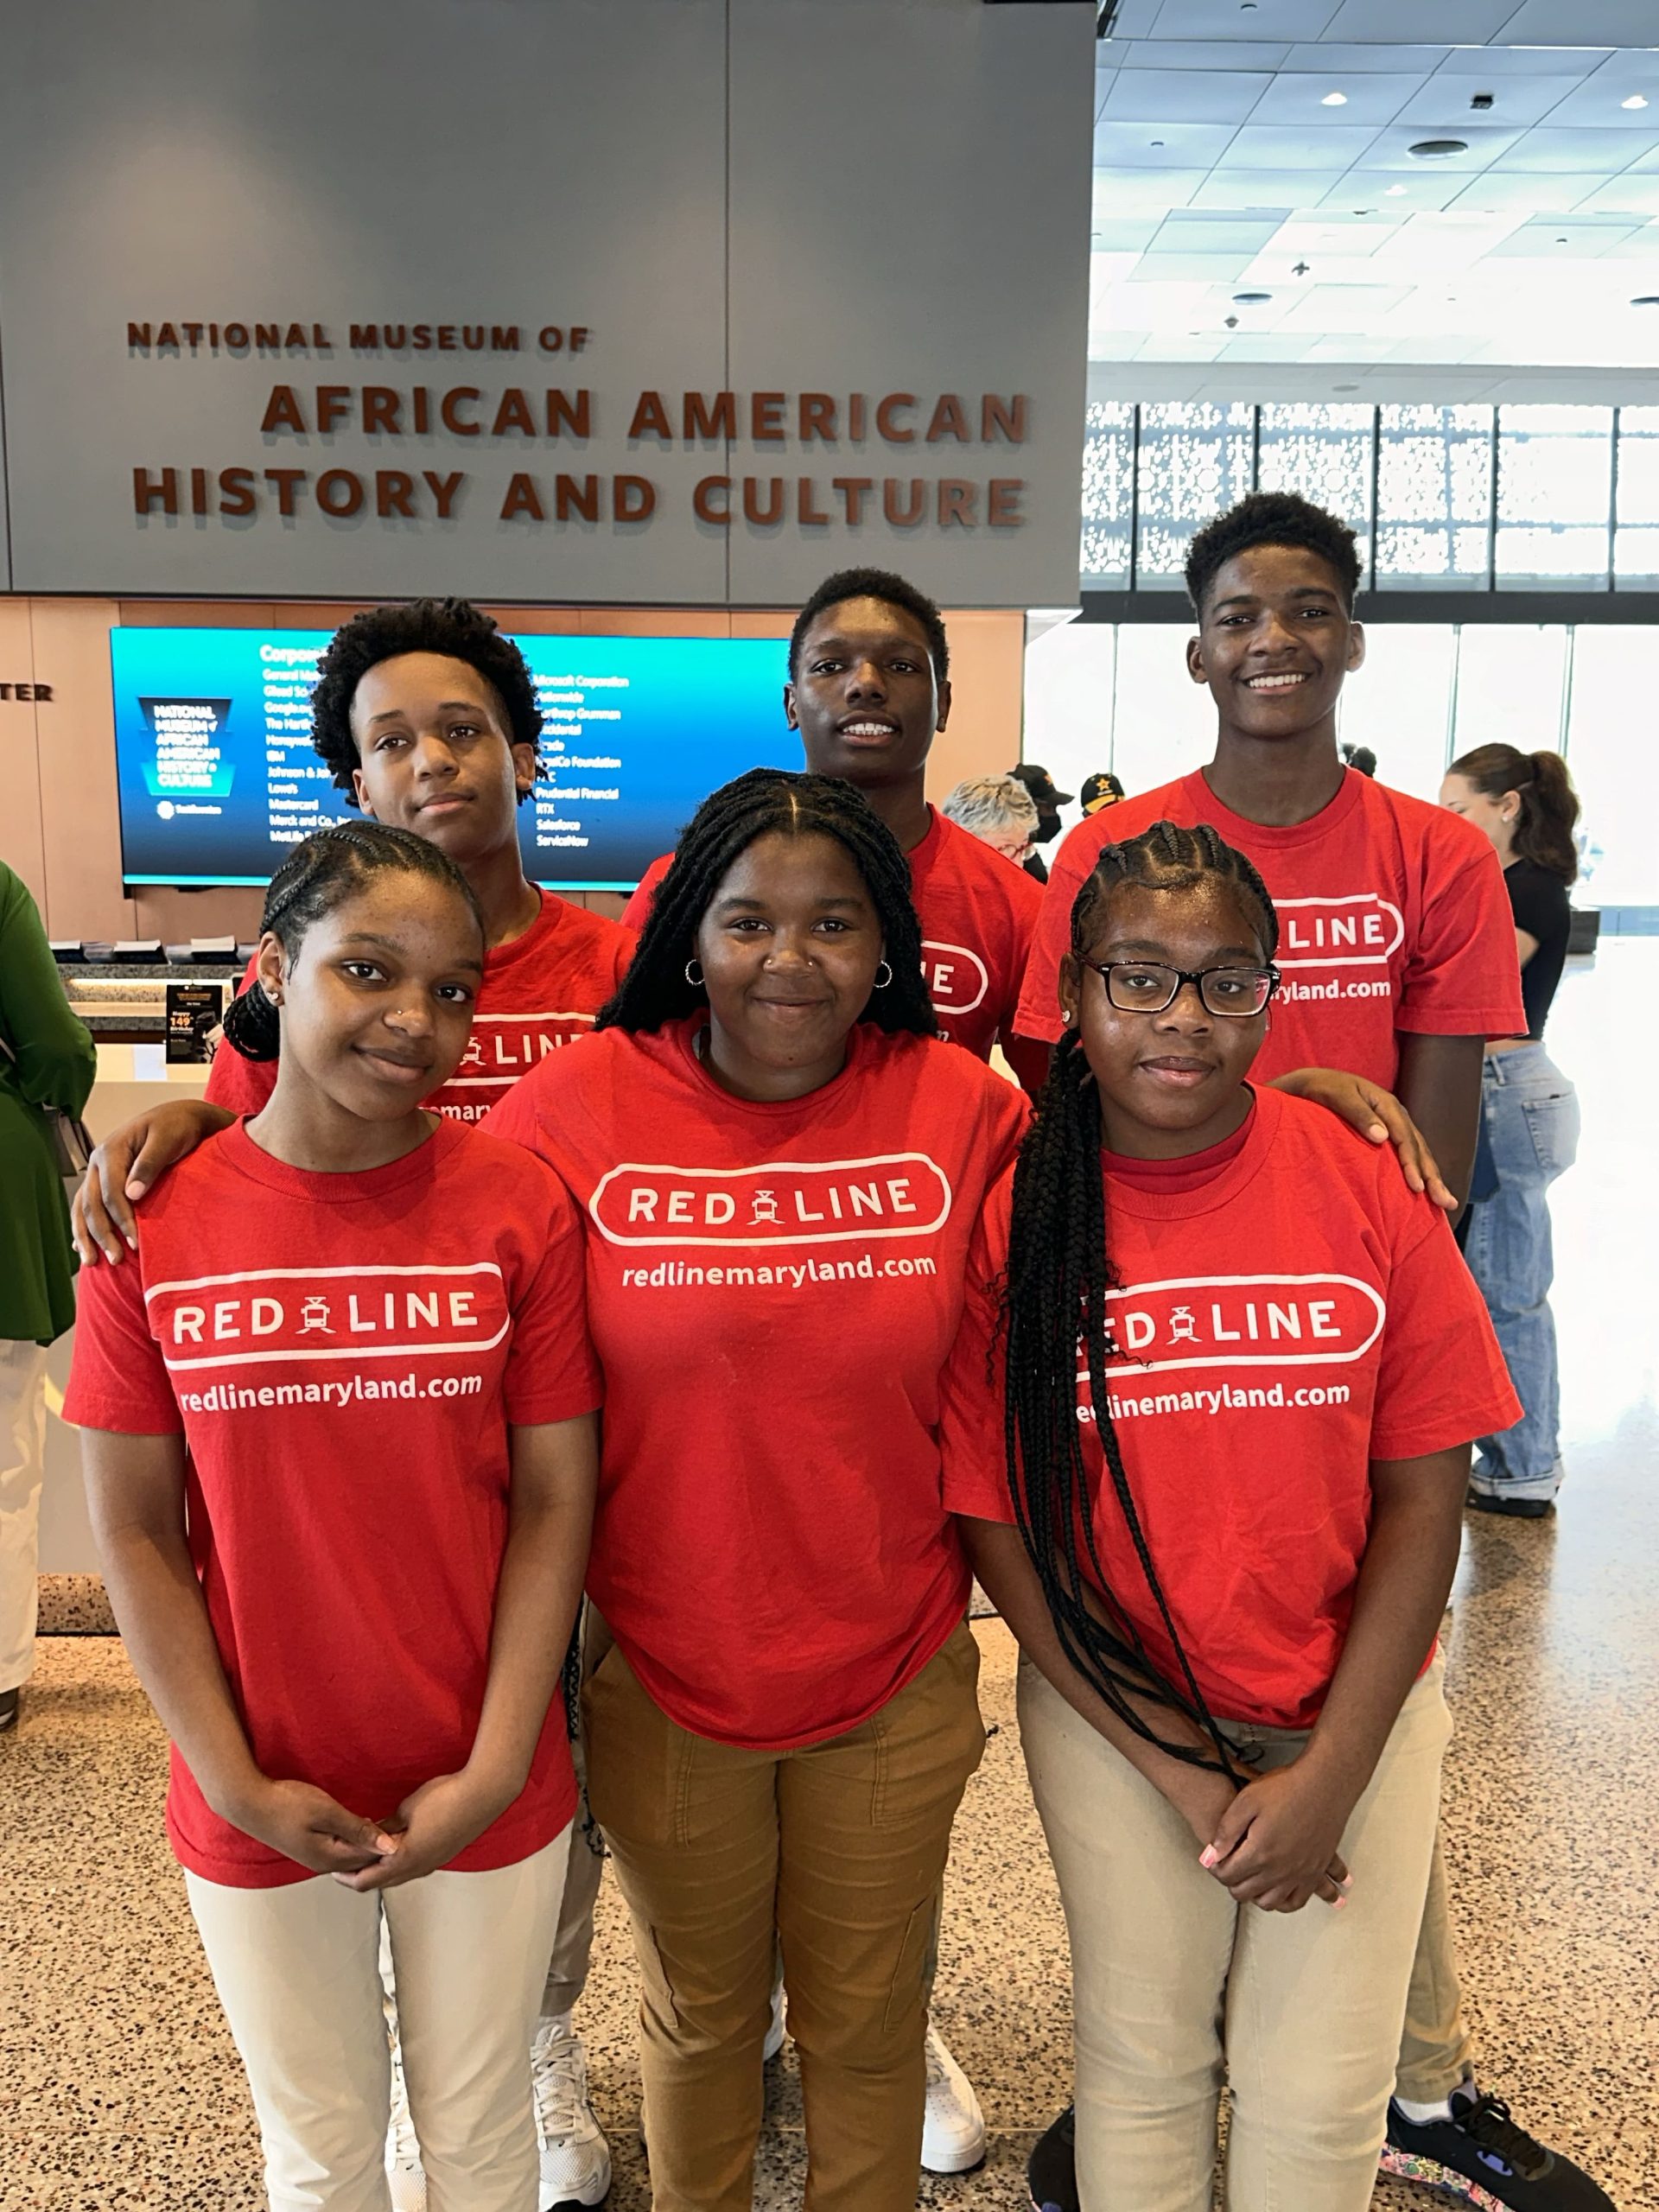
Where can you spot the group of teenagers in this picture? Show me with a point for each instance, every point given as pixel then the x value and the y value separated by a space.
pixel 681 1312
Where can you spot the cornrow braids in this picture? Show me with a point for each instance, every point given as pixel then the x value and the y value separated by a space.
pixel 1059 1274
pixel 1273 518
pixel 454 627
pixel 319 875
pixel 767 801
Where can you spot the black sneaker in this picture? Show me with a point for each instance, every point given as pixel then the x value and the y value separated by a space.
pixel 1517 1508
pixel 1051 2169
pixel 10 1702
pixel 1483 2157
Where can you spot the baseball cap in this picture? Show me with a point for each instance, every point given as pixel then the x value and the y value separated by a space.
pixel 1101 786
pixel 1039 784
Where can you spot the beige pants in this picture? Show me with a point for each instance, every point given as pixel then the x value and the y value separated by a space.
pixel 22 1446
pixel 837 1852
pixel 297 1971
pixel 1175 1988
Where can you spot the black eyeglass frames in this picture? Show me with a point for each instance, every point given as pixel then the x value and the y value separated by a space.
pixel 1148 986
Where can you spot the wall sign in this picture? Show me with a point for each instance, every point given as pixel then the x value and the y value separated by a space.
pixel 651 319
pixel 40 693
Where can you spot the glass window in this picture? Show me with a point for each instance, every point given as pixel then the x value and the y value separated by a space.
pixel 1068 712
pixel 1609 752
pixel 1324 453
pixel 1196 459
pixel 1510 680
pixel 1163 725
pixel 1433 495
pixel 1108 494
pixel 1635 541
pixel 1554 491
pixel 1398 703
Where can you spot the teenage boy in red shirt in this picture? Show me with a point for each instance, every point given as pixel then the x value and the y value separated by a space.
pixel 869 690
pixel 1398 958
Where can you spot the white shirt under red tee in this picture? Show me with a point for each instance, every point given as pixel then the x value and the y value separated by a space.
pixel 773 1290
pixel 977 912
pixel 1285 1312
pixel 1392 916
pixel 343 1355
pixel 538 992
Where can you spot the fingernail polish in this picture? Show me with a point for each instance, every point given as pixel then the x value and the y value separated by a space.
pixel 1208 1856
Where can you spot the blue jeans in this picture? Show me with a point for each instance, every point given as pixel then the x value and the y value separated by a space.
pixel 1531 1116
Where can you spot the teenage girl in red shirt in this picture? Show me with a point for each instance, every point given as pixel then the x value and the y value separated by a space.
pixel 780 1164
pixel 344 1389
pixel 1243 1365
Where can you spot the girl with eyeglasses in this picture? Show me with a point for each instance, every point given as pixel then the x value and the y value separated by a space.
pixel 1219 1507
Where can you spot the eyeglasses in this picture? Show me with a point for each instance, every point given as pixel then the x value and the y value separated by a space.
pixel 1010 852
pixel 1148 986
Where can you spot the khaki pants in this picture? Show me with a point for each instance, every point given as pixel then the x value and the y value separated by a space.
pixel 22 1446
pixel 1175 1987
pixel 297 1971
pixel 837 1852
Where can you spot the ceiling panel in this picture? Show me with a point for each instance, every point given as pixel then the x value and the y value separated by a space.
pixel 1591 22
pixel 1299 100
pixel 1261 146
pixel 1188 232
pixel 1159 145
pixel 1279 190
pixel 1199 53
pixel 1525 191
pixel 1569 238
pixel 1579 151
pixel 1599 103
pixel 1225 19
pixel 1390 22
pixel 1184 95
pixel 1390 60
pixel 1636 192
pixel 1209 268
pixel 1386 193
pixel 1517 102
pixel 1486 143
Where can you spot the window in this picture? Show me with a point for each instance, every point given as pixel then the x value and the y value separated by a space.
pixel 1324 453
pixel 1636 540
pixel 1398 703
pixel 1510 679
pixel 1433 495
pixel 1108 494
pixel 1196 460
pixel 1164 725
pixel 1609 752
pixel 1554 495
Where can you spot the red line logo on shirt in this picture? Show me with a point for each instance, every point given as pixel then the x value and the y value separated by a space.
pixel 956 979
pixel 1240 1321
pixel 1359 930
pixel 504 1047
pixel 323 1314
pixel 787 1202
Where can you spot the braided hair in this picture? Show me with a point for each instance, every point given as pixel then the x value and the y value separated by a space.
pixel 319 875
pixel 772 802
pixel 453 627
pixel 1060 1273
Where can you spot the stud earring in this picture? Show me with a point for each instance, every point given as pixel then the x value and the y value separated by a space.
pixel 883 979
pixel 694 981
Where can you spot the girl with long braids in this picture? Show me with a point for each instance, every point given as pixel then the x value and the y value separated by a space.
pixel 780 1164
pixel 1526 804
pixel 1220 1512
pixel 337 1420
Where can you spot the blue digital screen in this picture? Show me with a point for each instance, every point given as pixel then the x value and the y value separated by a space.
pixel 217 777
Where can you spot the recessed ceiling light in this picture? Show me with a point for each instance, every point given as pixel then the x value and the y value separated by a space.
pixel 1340 99
pixel 1437 150
pixel 1251 299
pixel 1635 100
pixel 1394 191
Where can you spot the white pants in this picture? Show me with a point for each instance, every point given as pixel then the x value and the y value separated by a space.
pixel 1176 1987
pixel 23 1453
pixel 297 1971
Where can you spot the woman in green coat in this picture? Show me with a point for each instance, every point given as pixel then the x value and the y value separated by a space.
pixel 47 1059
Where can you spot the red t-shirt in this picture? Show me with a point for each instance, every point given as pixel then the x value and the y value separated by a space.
pixel 342 1355
pixel 1283 1321
pixel 1392 916
pixel 977 912
pixel 773 1291
pixel 539 992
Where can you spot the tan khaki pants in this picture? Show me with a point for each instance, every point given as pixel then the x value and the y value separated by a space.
pixel 1175 1988
pixel 840 1849
pixel 1435 2051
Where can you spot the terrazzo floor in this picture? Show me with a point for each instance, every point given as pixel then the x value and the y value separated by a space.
pixel 119 2090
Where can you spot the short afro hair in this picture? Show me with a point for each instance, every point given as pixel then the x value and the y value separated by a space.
pixel 1273 518
pixel 893 591
pixel 454 627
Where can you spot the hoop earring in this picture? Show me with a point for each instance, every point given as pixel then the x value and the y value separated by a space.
pixel 694 981
pixel 882 980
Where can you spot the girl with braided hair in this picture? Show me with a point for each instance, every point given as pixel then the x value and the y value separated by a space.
pixel 1241 1364
pixel 780 1164
pixel 337 1417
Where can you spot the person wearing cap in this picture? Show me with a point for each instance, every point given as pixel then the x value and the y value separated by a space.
pixel 997 810
pixel 1049 801
pixel 1100 790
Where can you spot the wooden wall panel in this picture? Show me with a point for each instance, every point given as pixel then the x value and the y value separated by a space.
pixel 79 816
pixel 22 842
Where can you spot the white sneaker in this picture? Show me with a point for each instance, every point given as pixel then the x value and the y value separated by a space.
pixel 774 2041
pixel 406 2175
pixel 953 2132
pixel 576 2157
